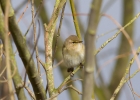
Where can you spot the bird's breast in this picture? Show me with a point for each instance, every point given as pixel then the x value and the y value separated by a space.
pixel 73 57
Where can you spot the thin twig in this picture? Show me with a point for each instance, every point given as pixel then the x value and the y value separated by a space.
pixel 31 56
pixel 132 75
pixel 3 71
pixel 23 11
pixel 114 36
pixel 64 90
pixel 124 76
pixel 58 64
pixel 127 37
pixel 129 41
pixel 12 74
pixel 58 33
pixel 67 79
pixel 72 87
pixel 30 92
pixel 43 64
pixel 34 17
pixel 136 94
pixel 32 22
pixel 111 60
pixel 102 34
pixel 34 29
pixel 131 89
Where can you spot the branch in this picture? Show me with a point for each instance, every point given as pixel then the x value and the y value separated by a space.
pixel 48 38
pixel 123 80
pixel 63 90
pixel 35 40
pixel 16 76
pixel 25 55
pixel 58 33
pixel 90 49
pixel 67 79
pixel 114 36
pixel 75 18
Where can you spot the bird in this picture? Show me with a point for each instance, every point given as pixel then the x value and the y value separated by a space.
pixel 73 52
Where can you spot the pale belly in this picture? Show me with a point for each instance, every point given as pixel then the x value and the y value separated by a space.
pixel 74 59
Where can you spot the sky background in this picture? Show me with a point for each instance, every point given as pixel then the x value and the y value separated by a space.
pixel 105 25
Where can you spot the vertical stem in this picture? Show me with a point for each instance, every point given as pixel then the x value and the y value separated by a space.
pixel 34 28
pixel 48 38
pixel 16 77
pixel 24 54
pixel 48 56
pixel 90 49
pixel 75 19
pixel 7 51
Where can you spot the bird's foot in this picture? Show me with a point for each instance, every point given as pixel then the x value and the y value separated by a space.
pixel 71 71
pixel 81 66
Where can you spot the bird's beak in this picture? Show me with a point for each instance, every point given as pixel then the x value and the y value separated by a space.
pixel 80 41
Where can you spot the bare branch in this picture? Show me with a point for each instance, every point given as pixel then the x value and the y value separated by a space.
pixel 90 49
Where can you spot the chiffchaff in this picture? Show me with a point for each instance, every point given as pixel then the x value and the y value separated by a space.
pixel 73 52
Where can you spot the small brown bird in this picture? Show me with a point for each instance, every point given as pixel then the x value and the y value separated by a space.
pixel 73 52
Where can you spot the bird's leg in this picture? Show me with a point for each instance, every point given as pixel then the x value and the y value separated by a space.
pixel 81 65
pixel 71 71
